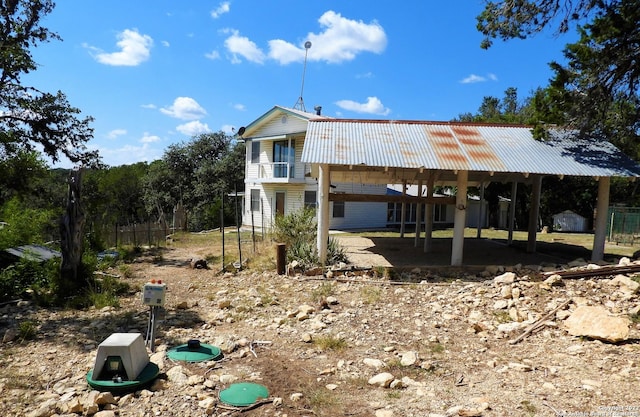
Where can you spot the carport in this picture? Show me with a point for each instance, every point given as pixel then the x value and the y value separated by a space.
pixel 429 154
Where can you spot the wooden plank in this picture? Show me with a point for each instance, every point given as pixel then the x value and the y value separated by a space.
pixel 383 198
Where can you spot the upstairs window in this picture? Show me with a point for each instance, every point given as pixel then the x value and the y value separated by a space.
pixel 255 151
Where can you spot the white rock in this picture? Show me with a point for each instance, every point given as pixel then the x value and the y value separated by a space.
pixel 597 323
pixel 384 413
pixel 624 281
pixel 506 278
pixel 373 363
pixel 296 396
pixel 409 358
pixel 177 375
pixel 381 380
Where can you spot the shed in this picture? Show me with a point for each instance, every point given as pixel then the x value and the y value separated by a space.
pixel 568 221
pixel 36 253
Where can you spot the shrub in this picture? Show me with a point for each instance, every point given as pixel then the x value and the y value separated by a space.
pixel 298 230
pixel 17 279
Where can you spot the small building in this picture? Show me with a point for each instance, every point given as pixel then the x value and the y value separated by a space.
pixel 568 221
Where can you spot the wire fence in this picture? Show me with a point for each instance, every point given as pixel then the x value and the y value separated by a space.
pixel 136 234
pixel 624 225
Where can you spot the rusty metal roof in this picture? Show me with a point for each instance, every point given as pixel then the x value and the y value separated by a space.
pixel 461 146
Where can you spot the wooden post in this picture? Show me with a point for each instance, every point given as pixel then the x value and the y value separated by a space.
pixel 428 217
pixel 324 180
pixel 459 219
pixel 480 212
pixel 602 207
pixel 512 212
pixel 418 217
pixel 281 256
pixel 403 213
pixel 533 213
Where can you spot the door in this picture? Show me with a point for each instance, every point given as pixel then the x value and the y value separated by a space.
pixel 280 203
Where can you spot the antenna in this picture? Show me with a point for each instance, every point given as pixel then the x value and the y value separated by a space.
pixel 300 103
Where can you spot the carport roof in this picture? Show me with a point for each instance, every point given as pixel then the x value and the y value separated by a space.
pixel 455 146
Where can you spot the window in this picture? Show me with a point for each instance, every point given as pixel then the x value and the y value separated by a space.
pixel 284 158
pixel 310 199
pixel 255 151
pixel 439 213
pixel 338 209
pixel 255 200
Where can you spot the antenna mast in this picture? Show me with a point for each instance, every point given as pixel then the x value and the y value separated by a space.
pixel 300 103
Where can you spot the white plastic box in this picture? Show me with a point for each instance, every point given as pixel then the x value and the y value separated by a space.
pixel 153 294
pixel 131 350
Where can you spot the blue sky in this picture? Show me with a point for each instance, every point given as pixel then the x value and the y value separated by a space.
pixel 153 73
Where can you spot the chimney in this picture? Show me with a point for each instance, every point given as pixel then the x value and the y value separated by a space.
pixel 318 110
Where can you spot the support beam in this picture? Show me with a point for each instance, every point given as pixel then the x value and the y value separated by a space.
pixel 418 215
pixel 602 208
pixel 512 211
pixel 480 213
pixel 403 213
pixel 534 211
pixel 459 219
pixel 428 216
pixel 324 180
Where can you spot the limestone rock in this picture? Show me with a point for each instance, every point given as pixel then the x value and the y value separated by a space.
pixel 596 322
pixel 383 379
pixel 409 358
pixel 506 278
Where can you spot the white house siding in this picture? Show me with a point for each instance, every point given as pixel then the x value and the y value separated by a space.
pixel 275 126
pixel 359 215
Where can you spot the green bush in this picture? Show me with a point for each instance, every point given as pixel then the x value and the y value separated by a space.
pixel 298 230
pixel 17 279
pixel 24 225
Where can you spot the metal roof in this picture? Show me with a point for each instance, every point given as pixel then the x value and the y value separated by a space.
pixel 461 146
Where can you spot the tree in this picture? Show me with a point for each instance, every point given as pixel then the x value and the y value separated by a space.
pixel 29 118
pixel 597 90
pixel 197 174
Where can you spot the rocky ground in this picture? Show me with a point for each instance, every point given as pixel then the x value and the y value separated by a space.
pixel 350 345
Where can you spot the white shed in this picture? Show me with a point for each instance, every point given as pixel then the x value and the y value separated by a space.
pixel 568 221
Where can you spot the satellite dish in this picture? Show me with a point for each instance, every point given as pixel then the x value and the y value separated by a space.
pixel 241 131
pixel 307 45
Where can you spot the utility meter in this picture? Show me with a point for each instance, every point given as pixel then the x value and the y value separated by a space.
pixel 153 293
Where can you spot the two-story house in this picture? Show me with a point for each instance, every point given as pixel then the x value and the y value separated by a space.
pixel 277 182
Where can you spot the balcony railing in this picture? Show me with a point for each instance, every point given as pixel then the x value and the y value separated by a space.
pixel 277 172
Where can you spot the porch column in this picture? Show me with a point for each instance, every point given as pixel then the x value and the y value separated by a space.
pixel 459 219
pixel 323 211
pixel 428 216
pixel 403 214
pixel 480 212
pixel 534 211
pixel 512 211
pixel 602 208
pixel 418 215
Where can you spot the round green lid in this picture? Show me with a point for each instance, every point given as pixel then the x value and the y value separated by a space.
pixel 243 394
pixel 202 352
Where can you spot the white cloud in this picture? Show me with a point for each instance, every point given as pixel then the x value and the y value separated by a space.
pixel 184 108
pixel 213 55
pixel 148 106
pixel 372 106
pixel 365 75
pixel 228 129
pixel 193 128
pixel 115 133
pixel 473 78
pixel 241 46
pixel 147 138
pixel 166 43
pixel 135 48
pixel 130 154
pixel 240 107
pixel 222 8
pixel 342 40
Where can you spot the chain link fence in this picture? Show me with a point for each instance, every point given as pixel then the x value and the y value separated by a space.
pixel 624 225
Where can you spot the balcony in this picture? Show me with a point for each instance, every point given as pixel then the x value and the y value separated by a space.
pixel 277 173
